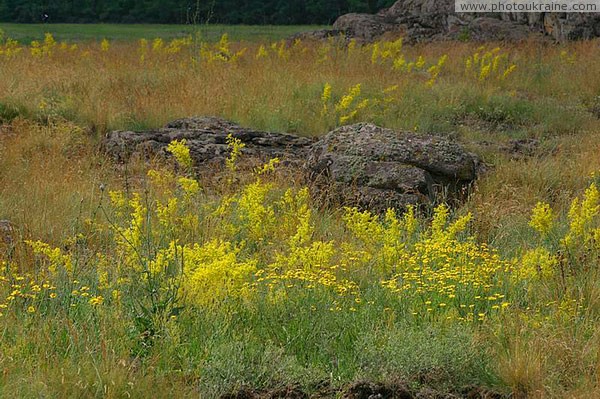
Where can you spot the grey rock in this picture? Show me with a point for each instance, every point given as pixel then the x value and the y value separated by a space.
pixel 361 164
pixel 206 138
pixel 425 20
pixel 377 168
pixel 364 27
pixel 494 29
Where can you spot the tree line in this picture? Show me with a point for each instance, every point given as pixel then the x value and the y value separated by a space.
pixel 251 12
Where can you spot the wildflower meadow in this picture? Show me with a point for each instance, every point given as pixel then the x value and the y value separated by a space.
pixel 150 278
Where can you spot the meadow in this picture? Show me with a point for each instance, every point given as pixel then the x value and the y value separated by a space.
pixel 129 32
pixel 149 279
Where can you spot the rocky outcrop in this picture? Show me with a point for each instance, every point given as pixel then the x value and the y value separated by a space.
pixel 440 15
pixel 377 168
pixel 365 27
pixel 360 164
pixel 424 20
pixel 206 138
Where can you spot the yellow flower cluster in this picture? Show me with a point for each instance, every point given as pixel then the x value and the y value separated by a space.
pixel 580 240
pixel 583 216
pixel 391 52
pixel 262 52
pixel 104 45
pixel 58 261
pixel 353 103
pixel 35 292
pixel 236 145
pixel 435 70
pixel 435 273
pixel 23 290
pixel 542 219
pixel 535 264
pixel 45 48
pixel 209 272
pixel 347 108
pixel 220 52
pixel 182 246
pixel 489 64
pixel 10 48
pixel 158 46
pixel 386 50
pixel 181 153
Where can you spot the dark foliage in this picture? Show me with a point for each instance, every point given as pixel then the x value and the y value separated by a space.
pixel 251 12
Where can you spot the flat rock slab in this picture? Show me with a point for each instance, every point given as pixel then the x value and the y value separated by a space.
pixel 361 164
pixel 206 138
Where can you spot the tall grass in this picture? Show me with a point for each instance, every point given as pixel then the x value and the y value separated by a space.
pixel 169 284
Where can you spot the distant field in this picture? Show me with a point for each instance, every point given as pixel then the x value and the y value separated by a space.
pixel 90 32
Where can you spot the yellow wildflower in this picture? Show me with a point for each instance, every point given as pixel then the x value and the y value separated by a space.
pixel 235 146
pixel 262 52
pixel 181 153
pixel 189 186
pixel 104 45
pixel 542 219
pixel 96 300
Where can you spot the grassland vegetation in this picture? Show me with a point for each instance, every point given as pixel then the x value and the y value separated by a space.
pixel 149 278
pixel 130 32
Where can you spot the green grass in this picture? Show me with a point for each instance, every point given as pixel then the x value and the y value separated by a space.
pixel 127 32
pixel 328 307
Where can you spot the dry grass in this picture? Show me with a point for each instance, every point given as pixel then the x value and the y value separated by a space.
pixel 546 97
pixel 115 90
pixel 50 177
pixel 56 108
